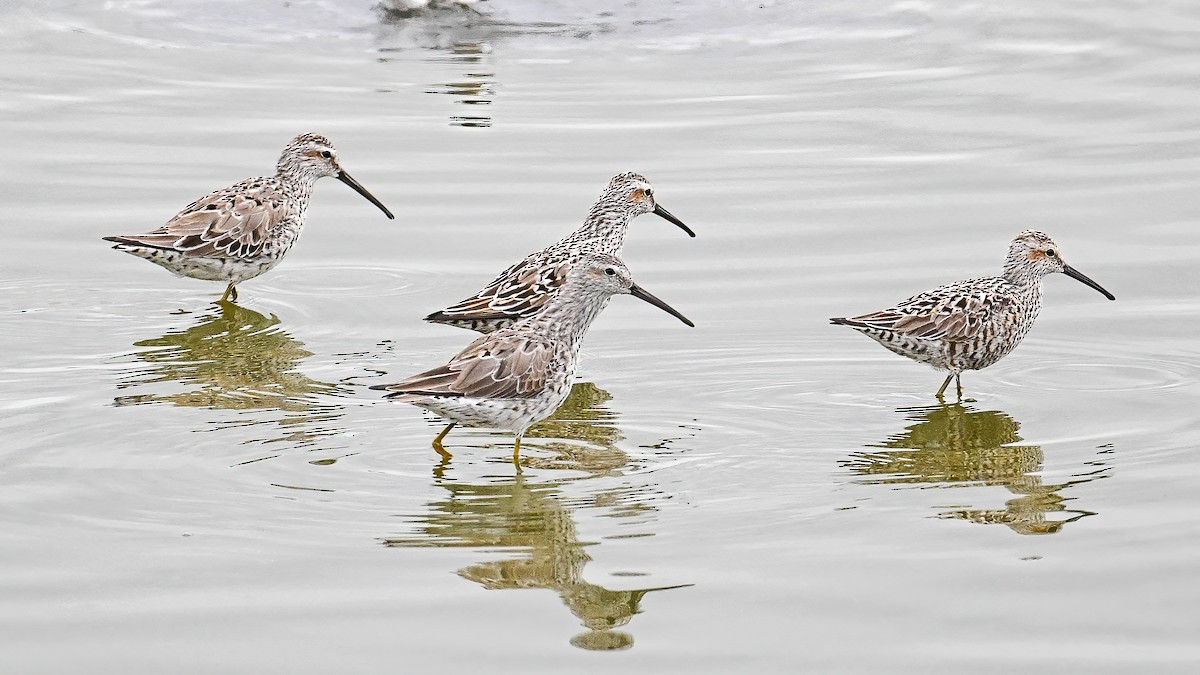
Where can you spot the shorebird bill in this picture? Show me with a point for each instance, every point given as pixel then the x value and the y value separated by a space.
pixel 1080 276
pixel 666 215
pixel 642 294
pixel 349 180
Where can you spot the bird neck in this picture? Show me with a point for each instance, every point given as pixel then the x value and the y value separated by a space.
pixel 296 177
pixel 604 228
pixel 569 314
pixel 1023 276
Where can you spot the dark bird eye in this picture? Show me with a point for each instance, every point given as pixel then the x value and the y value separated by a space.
pixel 1051 253
pixel 326 154
pixel 649 192
pixel 610 271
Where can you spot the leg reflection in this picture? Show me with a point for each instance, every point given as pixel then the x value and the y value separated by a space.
pixel 952 445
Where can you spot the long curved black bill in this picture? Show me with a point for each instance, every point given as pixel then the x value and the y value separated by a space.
pixel 642 294
pixel 666 215
pixel 1080 276
pixel 349 180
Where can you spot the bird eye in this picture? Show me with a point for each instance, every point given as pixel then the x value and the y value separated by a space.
pixel 1051 253
pixel 326 154
pixel 649 192
pixel 610 271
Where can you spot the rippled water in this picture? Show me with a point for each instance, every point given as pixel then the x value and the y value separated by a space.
pixel 190 486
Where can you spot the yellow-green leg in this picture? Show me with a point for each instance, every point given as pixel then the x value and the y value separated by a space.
pixel 941 392
pixel 517 452
pixel 230 294
pixel 437 441
pixel 957 377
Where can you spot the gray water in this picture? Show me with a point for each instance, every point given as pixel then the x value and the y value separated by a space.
pixel 188 487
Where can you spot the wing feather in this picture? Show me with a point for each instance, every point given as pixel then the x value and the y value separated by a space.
pixel 957 311
pixel 518 292
pixel 235 222
pixel 503 364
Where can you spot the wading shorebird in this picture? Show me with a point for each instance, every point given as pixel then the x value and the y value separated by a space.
pixel 523 290
pixel 969 325
pixel 517 376
pixel 244 230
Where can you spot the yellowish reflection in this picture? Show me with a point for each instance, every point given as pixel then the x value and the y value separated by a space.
pixel 535 517
pixel 232 358
pixel 953 445
pixel 582 419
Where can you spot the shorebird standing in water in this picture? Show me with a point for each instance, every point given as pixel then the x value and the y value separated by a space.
pixel 517 376
pixel 523 290
pixel 969 325
pixel 244 230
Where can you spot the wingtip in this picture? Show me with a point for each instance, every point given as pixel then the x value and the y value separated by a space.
pixel 119 243
pixel 466 319
pixel 387 388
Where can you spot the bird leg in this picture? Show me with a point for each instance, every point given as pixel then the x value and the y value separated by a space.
pixel 941 392
pixel 437 441
pixel 957 377
pixel 230 294
pixel 517 452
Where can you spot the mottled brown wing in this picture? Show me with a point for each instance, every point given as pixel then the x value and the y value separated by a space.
pixel 520 291
pixel 234 222
pixel 499 365
pixel 952 312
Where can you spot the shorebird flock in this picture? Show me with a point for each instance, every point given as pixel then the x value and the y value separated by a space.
pixel 534 314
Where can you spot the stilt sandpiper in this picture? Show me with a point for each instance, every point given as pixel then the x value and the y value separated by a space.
pixel 244 230
pixel 521 291
pixel 517 376
pixel 969 325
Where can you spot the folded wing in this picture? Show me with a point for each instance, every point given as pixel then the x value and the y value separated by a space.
pixel 498 365
pixel 520 291
pixel 233 223
pixel 951 312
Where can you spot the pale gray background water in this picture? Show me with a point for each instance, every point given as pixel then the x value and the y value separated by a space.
pixel 187 492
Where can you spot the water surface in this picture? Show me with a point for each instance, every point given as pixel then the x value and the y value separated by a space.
pixel 199 487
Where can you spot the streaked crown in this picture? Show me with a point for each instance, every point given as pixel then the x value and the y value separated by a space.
pixel 1036 252
pixel 601 273
pixel 629 192
pixel 310 156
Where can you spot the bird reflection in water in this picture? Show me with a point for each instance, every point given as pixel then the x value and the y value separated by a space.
pixel 535 517
pixel 476 87
pixel 592 428
pixel 452 32
pixel 955 446
pixel 234 358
